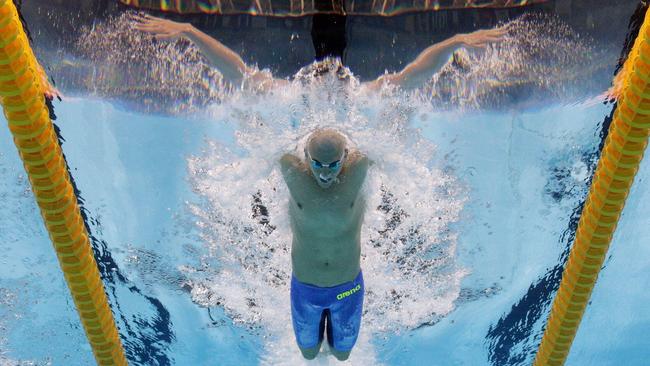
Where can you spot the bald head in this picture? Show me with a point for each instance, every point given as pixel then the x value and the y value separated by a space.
pixel 326 145
pixel 325 152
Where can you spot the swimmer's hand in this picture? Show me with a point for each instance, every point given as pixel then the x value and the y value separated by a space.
pixel 48 89
pixel 481 38
pixel 160 28
pixel 616 90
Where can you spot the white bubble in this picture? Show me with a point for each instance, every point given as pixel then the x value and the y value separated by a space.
pixel 408 254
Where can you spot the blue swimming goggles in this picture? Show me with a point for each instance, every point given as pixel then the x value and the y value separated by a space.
pixel 318 165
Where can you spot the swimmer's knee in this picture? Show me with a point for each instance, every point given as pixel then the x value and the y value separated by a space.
pixel 310 353
pixel 341 355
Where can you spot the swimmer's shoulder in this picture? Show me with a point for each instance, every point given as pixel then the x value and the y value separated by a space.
pixel 290 162
pixel 357 159
pixel 292 168
pixel 357 167
pixel 263 81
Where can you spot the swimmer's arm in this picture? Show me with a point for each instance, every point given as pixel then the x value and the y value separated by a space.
pixel 431 60
pixel 228 62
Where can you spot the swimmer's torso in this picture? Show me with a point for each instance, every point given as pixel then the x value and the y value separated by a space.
pixel 326 225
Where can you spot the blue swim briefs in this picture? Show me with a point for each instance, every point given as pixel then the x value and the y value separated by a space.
pixel 341 305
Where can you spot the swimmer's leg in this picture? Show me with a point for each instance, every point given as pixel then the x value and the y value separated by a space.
pixel 341 355
pixel 345 320
pixel 310 353
pixel 308 319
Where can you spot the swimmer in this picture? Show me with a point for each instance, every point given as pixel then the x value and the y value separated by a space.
pixel 326 209
pixel 326 205
pixel 234 69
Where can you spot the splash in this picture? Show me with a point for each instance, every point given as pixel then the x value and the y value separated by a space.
pixel 541 61
pixel 301 8
pixel 121 63
pixel 408 247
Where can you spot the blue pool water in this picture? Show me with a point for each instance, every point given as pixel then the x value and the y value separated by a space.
pixel 491 196
pixel 525 174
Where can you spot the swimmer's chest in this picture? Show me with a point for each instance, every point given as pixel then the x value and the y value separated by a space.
pixel 340 198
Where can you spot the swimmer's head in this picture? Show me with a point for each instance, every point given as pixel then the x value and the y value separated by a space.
pixel 325 153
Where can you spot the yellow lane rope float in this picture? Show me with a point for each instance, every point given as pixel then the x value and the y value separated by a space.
pixel 21 94
pixel 619 162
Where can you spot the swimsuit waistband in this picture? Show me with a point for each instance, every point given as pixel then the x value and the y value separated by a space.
pixel 337 287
